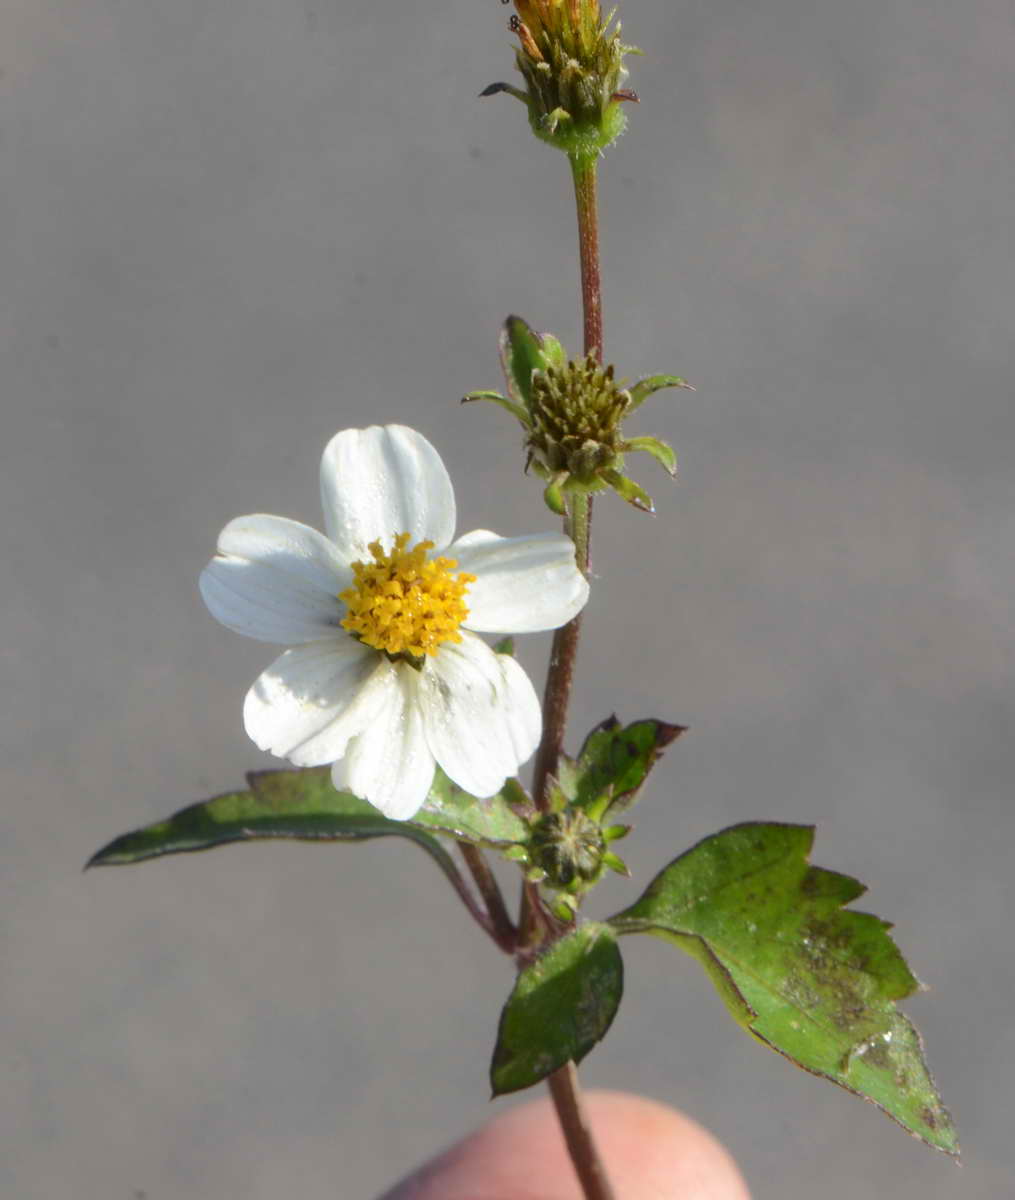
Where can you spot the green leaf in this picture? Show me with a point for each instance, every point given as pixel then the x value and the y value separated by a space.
pixel 613 764
pixel 304 805
pixel 521 353
pixel 449 810
pixel 506 645
pixel 561 1005
pixel 646 387
pixel 812 980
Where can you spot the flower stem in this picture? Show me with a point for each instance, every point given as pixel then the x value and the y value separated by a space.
pixel 563 653
pixel 501 928
pixel 583 170
pixel 577 523
pixel 574 1123
pixel 479 914
pixel 563 1083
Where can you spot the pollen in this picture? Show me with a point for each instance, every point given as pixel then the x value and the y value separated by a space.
pixel 404 602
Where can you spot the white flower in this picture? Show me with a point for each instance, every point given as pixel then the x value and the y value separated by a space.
pixel 384 679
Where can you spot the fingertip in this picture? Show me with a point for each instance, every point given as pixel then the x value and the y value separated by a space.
pixel 650 1151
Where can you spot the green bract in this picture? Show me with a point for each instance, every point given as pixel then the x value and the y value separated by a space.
pixel 572 413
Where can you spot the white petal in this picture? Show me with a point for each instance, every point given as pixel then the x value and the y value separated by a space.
pixel 389 763
pixel 314 698
pixel 523 712
pixel 382 481
pixel 480 713
pixel 275 580
pixel 523 584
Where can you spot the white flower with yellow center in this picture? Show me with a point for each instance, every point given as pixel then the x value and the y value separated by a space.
pixel 384 678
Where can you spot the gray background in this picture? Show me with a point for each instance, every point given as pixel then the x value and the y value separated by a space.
pixel 232 227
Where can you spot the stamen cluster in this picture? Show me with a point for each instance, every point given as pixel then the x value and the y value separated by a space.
pixel 576 411
pixel 404 603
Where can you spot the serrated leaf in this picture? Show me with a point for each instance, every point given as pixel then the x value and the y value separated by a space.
pixel 449 810
pixel 303 805
pixel 814 981
pixel 561 1005
pixel 521 353
pixel 613 764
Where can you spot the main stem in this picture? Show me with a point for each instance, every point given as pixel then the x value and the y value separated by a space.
pixel 577 523
pixel 563 1083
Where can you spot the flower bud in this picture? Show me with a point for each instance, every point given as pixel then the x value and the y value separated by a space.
pixel 568 847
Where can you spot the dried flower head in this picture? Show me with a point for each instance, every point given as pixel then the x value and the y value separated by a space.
pixel 572 61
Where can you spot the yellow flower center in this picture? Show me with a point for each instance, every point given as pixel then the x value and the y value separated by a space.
pixel 404 603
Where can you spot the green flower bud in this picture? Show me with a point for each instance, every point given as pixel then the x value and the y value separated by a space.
pixel 568 847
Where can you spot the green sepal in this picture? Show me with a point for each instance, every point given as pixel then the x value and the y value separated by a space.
pixel 561 1005
pixel 583 141
pixel 301 805
pixel 646 387
pixel 521 353
pixel 506 646
pixel 812 980
pixel 553 496
pixel 612 766
pixel 553 352
pixel 630 491
pixel 664 454
pixel 616 864
pixel 515 410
